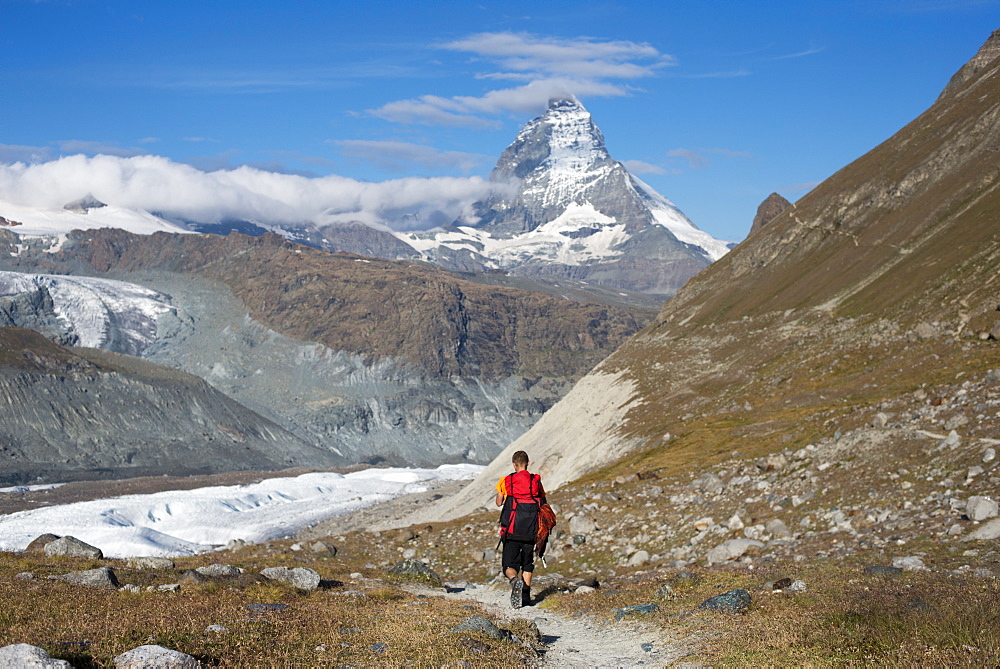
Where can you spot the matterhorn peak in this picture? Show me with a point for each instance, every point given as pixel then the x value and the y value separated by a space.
pixel 565 103
pixel 567 208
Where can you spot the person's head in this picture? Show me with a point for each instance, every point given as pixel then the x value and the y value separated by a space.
pixel 520 460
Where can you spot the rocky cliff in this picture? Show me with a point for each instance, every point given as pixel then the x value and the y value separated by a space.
pixel 85 413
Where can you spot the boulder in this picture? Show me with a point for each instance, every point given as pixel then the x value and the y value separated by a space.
pixel 729 550
pixel 981 508
pixel 636 610
pixel 219 570
pixel 777 529
pixel 987 532
pixel 150 563
pixel 323 548
pixel 37 545
pixel 144 657
pixel 581 524
pixel 773 463
pixel 102 577
pixel 479 624
pixel 414 570
pixel 26 655
pixel 911 563
pixel 302 578
pixel 72 547
pixel 638 558
pixel 734 601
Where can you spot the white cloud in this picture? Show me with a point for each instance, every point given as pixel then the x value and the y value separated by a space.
pixel 642 167
pixel 699 158
pixel 398 156
pixel 157 184
pixel 552 67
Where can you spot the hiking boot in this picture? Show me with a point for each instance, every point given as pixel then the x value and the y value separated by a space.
pixel 526 598
pixel 516 592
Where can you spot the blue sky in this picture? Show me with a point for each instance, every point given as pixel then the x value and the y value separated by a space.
pixel 715 104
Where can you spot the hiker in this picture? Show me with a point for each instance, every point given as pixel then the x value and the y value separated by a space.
pixel 521 495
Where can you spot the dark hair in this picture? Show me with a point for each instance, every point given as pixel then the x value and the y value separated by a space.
pixel 520 458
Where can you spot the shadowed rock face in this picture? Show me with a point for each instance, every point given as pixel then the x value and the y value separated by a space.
pixel 84 413
pixel 768 210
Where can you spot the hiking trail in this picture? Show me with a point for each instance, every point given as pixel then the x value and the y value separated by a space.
pixel 578 641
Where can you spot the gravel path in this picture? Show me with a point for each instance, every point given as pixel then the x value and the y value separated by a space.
pixel 581 641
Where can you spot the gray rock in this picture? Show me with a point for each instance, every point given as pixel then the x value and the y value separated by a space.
pixel 581 524
pixel 911 563
pixel 584 590
pixel 993 377
pixel 773 462
pixel 150 563
pixel 777 529
pixel 925 331
pixel 37 545
pixel 798 585
pixel 302 578
pixel 219 570
pixel 28 656
pixel 479 624
pixel 981 508
pixel 102 577
pixel 323 548
pixel 636 610
pixel 995 331
pixel 217 628
pixel 734 601
pixel 638 558
pixel 414 570
pixel 731 549
pixel 952 441
pixel 712 484
pixel 158 657
pixel 987 532
pixel 880 421
pixel 72 547
pixel 989 455
pixel 25 576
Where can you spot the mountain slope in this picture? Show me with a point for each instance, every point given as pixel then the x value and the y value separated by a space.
pixel 85 413
pixel 880 283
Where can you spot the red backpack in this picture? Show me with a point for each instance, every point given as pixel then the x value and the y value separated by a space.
pixel 519 517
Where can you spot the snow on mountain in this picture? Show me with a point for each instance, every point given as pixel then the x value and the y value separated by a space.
pixel 42 222
pixel 100 313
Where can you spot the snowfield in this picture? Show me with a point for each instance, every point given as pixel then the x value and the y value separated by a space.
pixel 187 522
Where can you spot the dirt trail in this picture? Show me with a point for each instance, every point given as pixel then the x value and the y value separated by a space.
pixel 580 641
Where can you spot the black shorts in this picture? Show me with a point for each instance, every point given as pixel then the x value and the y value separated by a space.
pixel 519 555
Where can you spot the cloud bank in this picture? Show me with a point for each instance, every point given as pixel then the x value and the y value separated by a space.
pixel 548 66
pixel 157 184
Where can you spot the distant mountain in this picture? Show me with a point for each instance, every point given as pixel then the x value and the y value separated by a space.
pixel 563 207
pixel 86 413
pixel 878 285
pixel 372 360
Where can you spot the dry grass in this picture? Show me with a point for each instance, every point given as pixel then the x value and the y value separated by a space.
pixel 846 618
pixel 330 626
